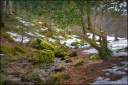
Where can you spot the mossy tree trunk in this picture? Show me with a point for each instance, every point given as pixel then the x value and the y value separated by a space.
pixel 102 48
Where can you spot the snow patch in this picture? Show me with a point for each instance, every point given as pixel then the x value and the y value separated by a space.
pixel 18 37
pixel 121 81
pixel 92 50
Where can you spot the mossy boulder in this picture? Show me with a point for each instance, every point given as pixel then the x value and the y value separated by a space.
pixel 59 68
pixel 6 50
pixel 21 49
pixel 56 78
pixel 8 37
pixel 61 51
pixel 41 44
pixel 78 62
pixel 72 54
pixel 95 57
pixel 42 56
pixel 68 60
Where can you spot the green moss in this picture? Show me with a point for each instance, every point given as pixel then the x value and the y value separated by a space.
pixel 60 51
pixel 11 58
pixel 59 68
pixel 78 62
pixel 72 54
pixel 8 37
pixel 42 56
pixel 20 48
pixel 6 50
pixel 74 43
pixel 2 79
pixel 56 78
pixel 2 70
pixel 41 44
pixel 94 57
pixel 16 53
pixel 66 57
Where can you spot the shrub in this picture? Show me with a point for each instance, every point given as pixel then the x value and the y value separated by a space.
pixel 94 57
pixel 20 48
pixel 42 56
pixel 78 62
pixel 72 54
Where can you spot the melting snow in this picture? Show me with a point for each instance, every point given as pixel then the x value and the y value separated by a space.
pixel 92 50
pixel 50 39
pixel 102 81
pixel 123 80
pixel 18 37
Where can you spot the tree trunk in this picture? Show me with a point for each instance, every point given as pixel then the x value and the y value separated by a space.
pixel 2 8
pixel 102 48
pixel 10 7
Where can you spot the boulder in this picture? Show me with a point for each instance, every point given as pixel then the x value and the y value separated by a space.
pixel 72 54
pixel 42 56
pixel 61 51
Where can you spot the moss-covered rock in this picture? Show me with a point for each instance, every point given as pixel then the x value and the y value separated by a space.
pixel 78 62
pixel 42 56
pixel 72 54
pixel 56 78
pixel 6 50
pixel 21 49
pixel 68 60
pixel 61 51
pixel 66 57
pixel 59 68
pixel 41 44
pixel 94 57
pixel 8 37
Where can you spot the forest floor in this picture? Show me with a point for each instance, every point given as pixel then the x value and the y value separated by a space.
pixel 90 70
pixel 84 74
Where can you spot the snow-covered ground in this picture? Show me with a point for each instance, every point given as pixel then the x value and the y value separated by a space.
pixel 114 46
pixel 113 70
pixel 18 37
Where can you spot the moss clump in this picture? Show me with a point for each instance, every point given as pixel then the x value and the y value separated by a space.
pixel 72 54
pixel 60 51
pixel 8 37
pixel 66 57
pixel 74 43
pixel 41 44
pixel 94 57
pixel 42 56
pixel 20 48
pixel 6 50
pixel 78 62
pixel 56 78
